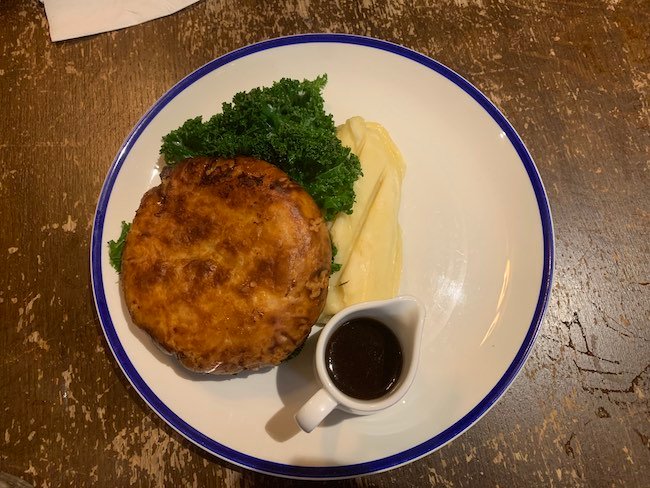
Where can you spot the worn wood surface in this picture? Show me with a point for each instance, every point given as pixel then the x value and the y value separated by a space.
pixel 572 77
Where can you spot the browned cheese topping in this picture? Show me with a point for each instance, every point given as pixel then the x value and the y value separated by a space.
pixel 226 264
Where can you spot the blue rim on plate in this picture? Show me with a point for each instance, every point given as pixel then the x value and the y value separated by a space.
pixel 326 472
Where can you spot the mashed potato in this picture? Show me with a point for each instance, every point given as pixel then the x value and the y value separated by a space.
pixel 369 240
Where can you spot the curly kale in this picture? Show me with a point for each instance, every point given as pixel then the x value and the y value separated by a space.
pixel 286 125
pixel 115 248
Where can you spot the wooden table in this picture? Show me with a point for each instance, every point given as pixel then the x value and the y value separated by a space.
pixel 572 77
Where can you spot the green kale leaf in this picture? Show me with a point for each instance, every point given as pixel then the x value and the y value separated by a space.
pixel 115 248
pixel 286 125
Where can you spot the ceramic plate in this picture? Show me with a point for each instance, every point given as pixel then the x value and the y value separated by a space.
pixel 478 250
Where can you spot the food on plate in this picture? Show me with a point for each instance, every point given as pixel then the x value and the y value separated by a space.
pixel 369 240
pixel 284 124
pixel 226 264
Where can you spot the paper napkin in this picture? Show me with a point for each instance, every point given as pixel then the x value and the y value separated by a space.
pixel 77 18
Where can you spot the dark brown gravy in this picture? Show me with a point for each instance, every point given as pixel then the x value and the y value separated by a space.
pixel 364 358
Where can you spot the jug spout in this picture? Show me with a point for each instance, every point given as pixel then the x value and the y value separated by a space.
pixel 404 315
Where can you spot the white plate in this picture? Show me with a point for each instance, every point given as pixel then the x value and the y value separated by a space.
pixel 478 250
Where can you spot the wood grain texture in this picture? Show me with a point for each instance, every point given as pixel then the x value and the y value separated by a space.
pixel 572 77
